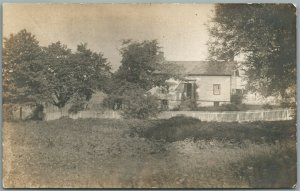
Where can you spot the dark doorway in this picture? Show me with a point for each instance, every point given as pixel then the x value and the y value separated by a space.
pixel 164 104
pixel 189 90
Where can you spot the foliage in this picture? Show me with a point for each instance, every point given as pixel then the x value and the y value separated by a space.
pixel 91 70
pixel 188 105
pixel 133 101
pixel 229 107
pixel 111 148
pixel 21 63
pixel 76 107
pixel 142 68
pixel 266 35
pixel 236 99
pixel 139 62
pixel 37 113
pixel 267 106
pixel 268 171
pixel 180 128
pixel 233 107
pixel 117 89
pixel 73 76
pixel 56 84
pixel 139 104
pixel 51 74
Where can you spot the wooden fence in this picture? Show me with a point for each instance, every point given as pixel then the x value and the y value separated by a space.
pixel 230 116
pixel 226 116
pixel 83 114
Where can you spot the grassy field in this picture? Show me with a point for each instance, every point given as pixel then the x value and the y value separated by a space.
pixel 175 153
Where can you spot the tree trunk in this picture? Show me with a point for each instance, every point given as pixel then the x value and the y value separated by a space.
pixel 61 112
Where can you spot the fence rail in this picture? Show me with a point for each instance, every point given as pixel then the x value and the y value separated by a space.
pixel 230 116
pixel 23 112
pixel 83 114
pixel 226 116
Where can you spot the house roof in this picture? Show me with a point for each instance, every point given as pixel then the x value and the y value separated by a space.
pixel 206 68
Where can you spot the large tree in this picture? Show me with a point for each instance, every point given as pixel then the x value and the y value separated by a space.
pixel 56 85
pixel 72 76
pixel 50 74
pixel 266 35
pixel 143 64
pixel 142 68
pixel 21 58
pixel 90 72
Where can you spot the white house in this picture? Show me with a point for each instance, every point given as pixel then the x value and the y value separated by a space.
pixel 207 83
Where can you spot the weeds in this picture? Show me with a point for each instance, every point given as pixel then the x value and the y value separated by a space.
pixel 180 128
pixel 176 153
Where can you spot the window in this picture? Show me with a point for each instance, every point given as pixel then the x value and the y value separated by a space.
pixel 239 91
pixel 217 89
pixel 164 104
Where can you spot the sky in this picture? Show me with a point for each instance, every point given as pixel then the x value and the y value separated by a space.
pixel 179 28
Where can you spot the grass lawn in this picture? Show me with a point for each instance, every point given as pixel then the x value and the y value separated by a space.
pixel 175 153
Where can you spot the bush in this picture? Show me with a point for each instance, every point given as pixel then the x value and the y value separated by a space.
pixel 276 168
pixel 76 107
pixel 236 99
pixel 233 107
pixel 180 128
pixel 113 102
pixel 267 106
pixel 139 105
pixel 180 121
pixel 188 104
pixel 176 108
pixel 38 112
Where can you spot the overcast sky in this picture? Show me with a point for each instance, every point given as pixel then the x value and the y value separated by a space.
pixel 180 29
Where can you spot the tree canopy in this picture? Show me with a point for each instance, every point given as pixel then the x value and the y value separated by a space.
pixel 143 64
pixel 21 53
pixel 51 74
pixel 266 35
pixel 142 68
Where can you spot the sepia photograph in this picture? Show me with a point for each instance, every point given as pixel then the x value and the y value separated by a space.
pixel 189 96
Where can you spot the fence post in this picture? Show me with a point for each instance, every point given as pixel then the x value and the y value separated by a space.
pixel 238 116
pixel 262 115
pixel 21 113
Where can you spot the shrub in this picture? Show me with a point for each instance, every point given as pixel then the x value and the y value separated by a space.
pixel 38 112
pixel 180 127
pixel 188 104
pixel 112 102
pixel 236 99
pixel 233 107
pixel 267 106
pixel 177 108
pixel 180 121
pixel 76 107
pixel 139 105
pixel 274 168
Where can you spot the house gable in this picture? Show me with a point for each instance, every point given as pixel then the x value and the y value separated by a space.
pixel 206 88
pixel 206 82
